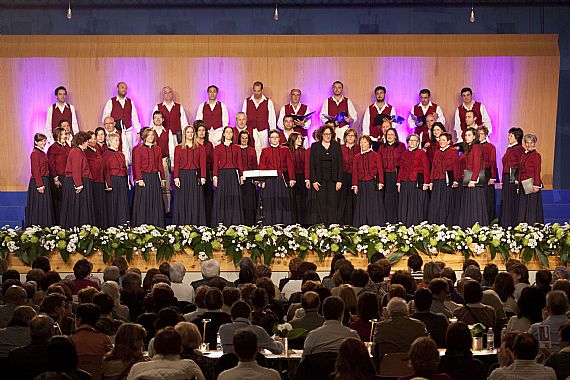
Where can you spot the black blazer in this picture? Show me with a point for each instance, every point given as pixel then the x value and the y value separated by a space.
pixel 318 151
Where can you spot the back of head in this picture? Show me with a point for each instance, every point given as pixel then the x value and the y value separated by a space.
pixel 490 273
pixel 268 285
pixel 121 263
pixel 15 295
pixel 51 303
pixel 431 271
pixel 261 271
pixel 468 262
pixel 168 341
pixel 41 327
pixel 359 278
pixel 543 278
pixel 310 275
pixel 105 303
pixel 42 262
pixel 167 317
pixel 214 299
pixel 245 345
pixel 458 337
pixel 424 356
pixel 190 336
pixel 62 355
pixel 415 262
pixel 240 309
pixel 348 295
pixel 82 269
pixel 111 273
pixel 397 307
pixel 210 268
pixel 345 272
pixel 525 347
pixel 562 284
pixel 259 299
pixel 353 360
pixel 375 272
pixel 230 295
pixel 472 292
pixel 397 290
pixel 294 264
pixel 132 281
pixel 530 304
pixel 88 313
pixel 36 275
pixel 310 300
pixel 367 306
pixel 22 315
pixel 128 343
pixel 557 302
pixel 177 272
pixel 333 308
pixel 162 296
pixel 86 294
pixel 160 278
pixel 304 267
pixel 422 299
pixel 473 272
pixel 164 269
pixel 404 278
pixel 200 296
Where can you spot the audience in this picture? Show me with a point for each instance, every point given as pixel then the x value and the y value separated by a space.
pixel 556 309
pixel 14 296
pixel 560 361
pixel 213 302
pixel 229 295
pixel 132 294
pixel 199 299
pixel 458 361
pixel 191 340
pixel 504 287
pixel 63 361
pixel 529 309
pixel 519 272
pixel 353 361
pixel 440 291
pixel 367 311
pixel 17 333
pixel 127 351
pixel 261 316
pixel 473 311
pixel 311 319
pixel 82 269
pixel 436 324
pixel 111 273
pixel 119 311
pixel 183 292
pixel 415 263
pixel 424 358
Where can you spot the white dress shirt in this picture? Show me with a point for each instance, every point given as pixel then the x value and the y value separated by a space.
pixel 183 118
pixel 270 107
pixel 351 110
pixel 438 111
pixel 282 114
pixel 49 116
pixel 366 119
pixel 225 115
pixel 486 120
pixel 134 115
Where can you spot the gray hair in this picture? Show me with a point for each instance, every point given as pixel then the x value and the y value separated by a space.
pixel 166 87
pixel 113 137
pixel 111 273
pixel 530 137
pixel 412 135
pixel 210 268
pixel 397 306
pixel 112 288
pixel 177 272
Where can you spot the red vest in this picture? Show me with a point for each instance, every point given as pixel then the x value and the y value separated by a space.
pixel 162 142
pixel 172 118
pixel 257 118
pixel 213 119
pixel 335 110
pixel 123 114
pixel 57 116
pixel 462 112
pixel 376 130
pixel 302 111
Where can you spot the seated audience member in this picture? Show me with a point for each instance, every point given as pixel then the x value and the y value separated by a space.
pixel 63 362
pixel 359 279
pixel 335 264
pixel 347 294
pixel 166 364
pixel 106 323
pixel 82 269
pixel 167 317
pixel 560 273
pixel 474 311
pixel 199 299
pixel 160 297
pixel 245 346
pixel 458 361
pixel 210 269
pixel 293 307
pixel 436 324
pixel 367 310
pixel 213 302
pixel 505 354
pixel 293 275
pixel 121 263
pixel 111 273
pixel 415 263
pixel 274 299
pixel 17 333
pixel 183 292
pixel 353 361
pixel 14 296
pixel 377 273
pixel 557 307
pixel 431 270
pixel 127 351
pixel 293 286
pixel 560 361
pixel 310 321
pixel 246 273
pixel 241 318
pixel 119 311
pixel 562 284
pixel 230 295
pixel 473 272
pixel 543 280
pixel 42 262
pixel 147 282
pixel 424 358
pixel 331 334
pixel 86 295
pixel 402 277
pixel 454 299
pixel 396 333
pixel 261 316
pixel 54 306
pixel 27 362
pixel 504 287
pixel 490 273
pixel 519 272
pixel 132 294
pixel 344 272
pixel 529 309
pixel 394 290
pixel 261 271
pixel 191 340
pixel 525 366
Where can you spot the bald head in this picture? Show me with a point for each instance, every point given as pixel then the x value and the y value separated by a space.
pixel 16 295
pixel 310 300
pixel 41 327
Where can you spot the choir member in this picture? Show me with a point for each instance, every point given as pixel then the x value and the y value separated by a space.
pixel 101 140
pixel 347 201
pixel 123 112
pixel 260 113
pixel 77 207
pixel 289 128
pixel 471 122
pixel 189 177
pixel 490 166
pixel 482 116
pixel 530 207
pixel 367 183
pixel 59 111
pixel 203 138
pixel 432 145
pixel 274 194
pixel 413 183
pixel 417 118
pixel 125 142
pixel 473 204
pixel 173 113
pixel 166 142
pixel 299 191
pixel 379 107
pixel 228 171
pixel 215 114
pixel 248 190
pixel 57 158
pixel 39 209
pixel 95 162
pixel 391 154
pixel 295 108
pixel 326 171
pixel 241 126
pixel 336 104
pixel 509 196
pixel 148 172
pixel 115 172
pixel 312 213
pixel 66 127
pixel 445 176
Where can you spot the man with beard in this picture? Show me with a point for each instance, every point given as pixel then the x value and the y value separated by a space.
pixel 335 105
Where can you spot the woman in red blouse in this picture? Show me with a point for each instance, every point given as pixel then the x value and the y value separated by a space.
pixel 490 166
pixel 189 177
pixel 299 191
pixel 57 159
pixel 228 171
pixel 432 145
pixel 95 161
pixel 101 139
pixel 445 177
pixel 367 183
pixel 115 173
pixel 530 207
pixel 509 196
pixel 77 193
pixel 347 201
pixel 248 190
pixel 390 153
pixel 39 209
pixel 148 172
pixel 203 138
pixel 473 203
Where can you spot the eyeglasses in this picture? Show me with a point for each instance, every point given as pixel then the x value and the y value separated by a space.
pixel 327 134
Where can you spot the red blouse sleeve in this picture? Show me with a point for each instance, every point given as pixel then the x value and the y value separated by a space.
pixel 355 169
pixel 235 150
pixel 35 160
pixel 477 160
pixel 176 160
pixel 425 166
pixel 290 166
pixel 537 169
pixel 379 168
pixel 202 159
pixel 107 170
pixel 137 163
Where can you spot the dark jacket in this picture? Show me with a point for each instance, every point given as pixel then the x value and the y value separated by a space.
pixel 318 152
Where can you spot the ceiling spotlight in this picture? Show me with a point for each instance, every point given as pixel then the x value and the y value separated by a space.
pixel 472 15
pixel 69 11
pixel 276 14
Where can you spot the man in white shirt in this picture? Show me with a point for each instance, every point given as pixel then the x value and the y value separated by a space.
pixel 336 104
pixel 174 115
pixel 380 107
pixel 288 128
pixel 416 119
pixel 124 112
pixel 124 142
pixel 215 114
pixel 260 113
pixel 295 107
pixel 58 112
pixel 167 142
pixel 469 105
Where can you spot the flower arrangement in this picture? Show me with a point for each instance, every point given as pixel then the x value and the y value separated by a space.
pixel 285 330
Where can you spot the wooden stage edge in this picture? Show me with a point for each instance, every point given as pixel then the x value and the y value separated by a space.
pixel 192 263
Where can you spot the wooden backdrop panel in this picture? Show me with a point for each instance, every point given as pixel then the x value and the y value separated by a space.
pixel 515 76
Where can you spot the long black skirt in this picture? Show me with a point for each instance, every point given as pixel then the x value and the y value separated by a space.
pixel 117 201
pixel 391 196
pixel 77 209
pixel 99 204
pixel 327 201
pixel 39 207
pixel 275 198
pixel 530 208
pixel 312 215
pixel 369 205
pixel 189 208
pixel 347 201
pixel 249 202
pixel 473 207
pixel 441 209
pixel 56 193
pixel 148 206
pixel 208 189
pixel 509 203
pixel 299 200
pixel 227 208
pixel 490 201
pixel 413 203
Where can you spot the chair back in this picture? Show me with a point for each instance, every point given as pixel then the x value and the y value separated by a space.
pixel 92 364
pixel 316 366
pixel 395 365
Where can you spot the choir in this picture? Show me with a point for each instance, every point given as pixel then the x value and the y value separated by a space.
pixel 85 177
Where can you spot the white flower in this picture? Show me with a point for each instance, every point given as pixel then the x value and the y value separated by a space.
pixel 12 247
pixel 284 327
pixel 202 256
pixel 71 247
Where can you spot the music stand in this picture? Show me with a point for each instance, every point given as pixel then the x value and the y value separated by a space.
pixel 260 176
